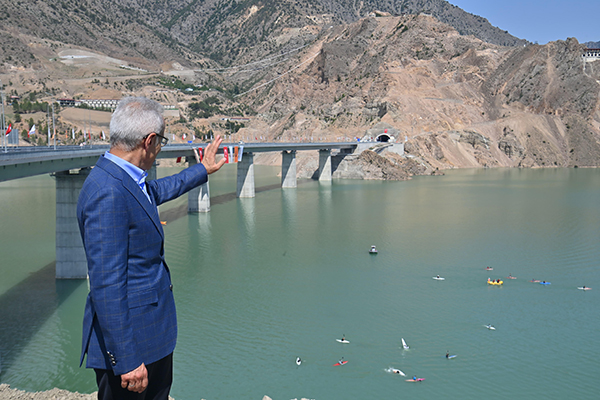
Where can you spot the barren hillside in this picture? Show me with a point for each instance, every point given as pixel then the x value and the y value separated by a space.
pixel 459 102
pixel 456 101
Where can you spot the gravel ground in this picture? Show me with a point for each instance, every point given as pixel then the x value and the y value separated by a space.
pixel 6 393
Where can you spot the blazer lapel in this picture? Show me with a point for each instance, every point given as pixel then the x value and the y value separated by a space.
pixel 133 188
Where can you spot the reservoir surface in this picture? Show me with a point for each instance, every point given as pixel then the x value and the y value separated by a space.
pixel 259 282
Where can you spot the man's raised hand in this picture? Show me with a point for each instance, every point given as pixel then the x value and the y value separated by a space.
pixel 209 156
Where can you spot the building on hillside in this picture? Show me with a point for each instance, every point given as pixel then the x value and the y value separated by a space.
pixel 321 19
pixel 590 55
pixel 100 103
pixel 377 13
pixel 66 102
pixel 236 119
pixel 91 103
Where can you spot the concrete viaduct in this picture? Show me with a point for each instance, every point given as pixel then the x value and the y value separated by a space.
pixel 70 165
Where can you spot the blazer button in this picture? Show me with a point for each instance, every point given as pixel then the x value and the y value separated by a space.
pixel 171 287
pixel 112 358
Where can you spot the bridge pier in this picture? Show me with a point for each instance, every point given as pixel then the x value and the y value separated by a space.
pixel 71 262
pixel 245 176
pixel 325 165
pixel 198 197
pixel 288 169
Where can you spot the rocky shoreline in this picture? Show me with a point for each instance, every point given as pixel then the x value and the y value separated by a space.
pixel 6 393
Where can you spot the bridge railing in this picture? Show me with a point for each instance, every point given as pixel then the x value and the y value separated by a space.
pixel 21 162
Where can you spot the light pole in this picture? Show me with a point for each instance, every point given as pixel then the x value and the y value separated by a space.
pixel 53 126
pixel 3 121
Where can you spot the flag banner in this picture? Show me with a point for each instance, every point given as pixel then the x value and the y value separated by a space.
pixel 226 154
pixel 240 153
pixel 235 153
pixel 178 160
pixel 193 137
pixel 231 154
pixel 183 136
pixel 200 153
pixel 9 129
pixel 103 136
pixel 31 131
pixel 173 137
pixel 73 133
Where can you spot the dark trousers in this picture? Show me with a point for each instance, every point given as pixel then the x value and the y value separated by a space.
pixel 160 378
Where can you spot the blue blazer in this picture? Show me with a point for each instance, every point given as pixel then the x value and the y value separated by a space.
pixel 129 314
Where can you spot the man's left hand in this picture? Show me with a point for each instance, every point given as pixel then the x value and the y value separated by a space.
pixel 136 380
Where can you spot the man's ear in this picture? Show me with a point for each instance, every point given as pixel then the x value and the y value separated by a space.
pixel 147 142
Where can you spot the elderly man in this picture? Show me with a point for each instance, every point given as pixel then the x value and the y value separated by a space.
pixel 130 325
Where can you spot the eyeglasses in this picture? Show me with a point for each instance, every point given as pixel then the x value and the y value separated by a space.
pixel 163 140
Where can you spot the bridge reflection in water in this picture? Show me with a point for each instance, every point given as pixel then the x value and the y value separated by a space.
pixel 71 165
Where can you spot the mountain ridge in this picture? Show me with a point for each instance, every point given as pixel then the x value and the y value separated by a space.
pixel 460 102
pixel 455 100
pixel 226 31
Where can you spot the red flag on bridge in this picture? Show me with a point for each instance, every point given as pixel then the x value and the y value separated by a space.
pixel 9 129
pixel 226 154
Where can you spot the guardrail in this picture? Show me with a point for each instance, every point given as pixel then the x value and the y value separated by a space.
pixel 21 162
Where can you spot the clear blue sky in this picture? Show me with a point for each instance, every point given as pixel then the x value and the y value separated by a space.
pixel 540 20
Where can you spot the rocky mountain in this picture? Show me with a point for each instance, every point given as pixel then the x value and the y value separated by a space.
pixel 456 100
pixel 312 70
pixel 194 32
pixel 592 45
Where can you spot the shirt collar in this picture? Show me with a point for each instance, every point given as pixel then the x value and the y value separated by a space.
pixel 135 172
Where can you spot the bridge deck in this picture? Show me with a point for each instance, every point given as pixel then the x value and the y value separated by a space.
pixel 21 162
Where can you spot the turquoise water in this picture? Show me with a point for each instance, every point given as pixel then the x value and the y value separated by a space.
pixel 259 282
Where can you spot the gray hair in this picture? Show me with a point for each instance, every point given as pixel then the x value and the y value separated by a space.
pixel 134 119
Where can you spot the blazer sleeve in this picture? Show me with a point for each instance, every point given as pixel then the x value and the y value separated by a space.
pixel 171 187
pixel 106 219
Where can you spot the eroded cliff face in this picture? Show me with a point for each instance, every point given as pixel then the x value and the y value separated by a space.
pixel 454 101
pixel 458 102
